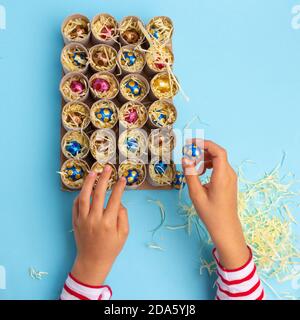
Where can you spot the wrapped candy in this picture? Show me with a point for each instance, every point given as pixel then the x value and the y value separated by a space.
pixel 75 116
pixel 73 173
pixel 161 142
pixel 133 144
pixel 76 28
pixel 179 180
pixel 103 145
pixel 133 115
pixel 130 31
pixel 160 30
pixel 75 57
pixel 105 29
pixel 159 59
pixel 103 58
pixel 134 87
pixel 162 113
pixel 131 59
pixel 104 85
pixel 104 114
pixel 74 86
pixel 98 168
pixel 134 171
pixel 164 85
pixel 192 152
pixel 161 173
pixel 75 144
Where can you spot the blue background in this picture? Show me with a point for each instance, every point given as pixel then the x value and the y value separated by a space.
pixel 238 60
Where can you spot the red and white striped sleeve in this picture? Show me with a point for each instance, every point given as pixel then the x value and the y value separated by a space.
pixel 76 290
pixel 239 284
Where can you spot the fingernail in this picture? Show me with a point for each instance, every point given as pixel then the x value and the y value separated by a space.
pixel 107 168
pixel 187 162
pixel 123 179
pixel 92 173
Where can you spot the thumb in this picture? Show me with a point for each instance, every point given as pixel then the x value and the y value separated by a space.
pixel 196 190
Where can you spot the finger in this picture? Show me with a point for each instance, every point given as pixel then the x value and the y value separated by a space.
pixel 100 191
pixel 123 223
pixel 75 212
pixel 85 194
pixel 196 189
pixel 217 153
pixel 115 199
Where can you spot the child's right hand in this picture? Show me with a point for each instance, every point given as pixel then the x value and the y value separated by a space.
pixel 216 204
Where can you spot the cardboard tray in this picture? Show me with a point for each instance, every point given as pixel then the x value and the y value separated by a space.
pixel 90 160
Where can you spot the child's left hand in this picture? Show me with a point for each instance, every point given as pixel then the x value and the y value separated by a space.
pixel 99 233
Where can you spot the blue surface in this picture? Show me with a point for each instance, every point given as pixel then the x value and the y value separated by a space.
pixel 239 63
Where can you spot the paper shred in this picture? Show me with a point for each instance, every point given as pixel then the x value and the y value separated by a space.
pixel 37 275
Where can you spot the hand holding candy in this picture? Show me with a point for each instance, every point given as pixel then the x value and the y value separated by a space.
pixel 216 203
pixel 100 233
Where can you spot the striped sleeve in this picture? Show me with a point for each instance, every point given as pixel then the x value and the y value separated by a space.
pixel 76 290
pixel 239 284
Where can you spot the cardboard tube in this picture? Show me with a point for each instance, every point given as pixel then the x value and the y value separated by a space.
pixel 169 106
pixel 84 40
pixel 103 104
pixel 158 180
pixel 73 68
pixel 161 86
pixel 112 81
pixel 133 124
pixel 73 185
pixel 77 136
pixel 161 142
pixel 160 40
pixel 132 164
pixel 103 51
pixel 125 34
pixel 109 145
pixel 68 77
pixel 139 60
pixel 68 107
pixel 161 54
pixel 125 97
pixel 96 38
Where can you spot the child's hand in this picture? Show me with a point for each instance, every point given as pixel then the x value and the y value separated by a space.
pixel 99 233
pixel 216 204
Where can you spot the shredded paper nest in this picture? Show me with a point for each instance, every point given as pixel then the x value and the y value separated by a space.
pixel 77 29
pixel 130 30
pixel 68 173
pixel 77 137
pixel 75 116
pixel 159 59
pixel 163 176
pixel 161 142
pixel 160 29
pixel 103 57
pixel 75 57
pixel 98 117
pixel 131 59
pixel 133 115
pixel 103 145
pixel 133 143
pixel 67 87
pixel 134 87
pixel 127 166
pixel 162 113
pixel 164 85
pixel 105 28
pixel 111 88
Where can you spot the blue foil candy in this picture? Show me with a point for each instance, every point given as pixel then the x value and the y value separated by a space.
pixel 160 167
pixel 129 58
pixel 192 151
pixel 104 114
pixel 74 148
pixel 154 32
pixel 132 176
pixel 132 144
pixel 179 180
pixel 74 173
pixel 133 87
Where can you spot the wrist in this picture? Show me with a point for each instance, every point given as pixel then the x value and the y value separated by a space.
pixel 90 272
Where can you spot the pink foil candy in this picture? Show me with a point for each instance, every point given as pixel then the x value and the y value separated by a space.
pixel 77 86
pixel 100 85
pixel 106 32
pixel 132 116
